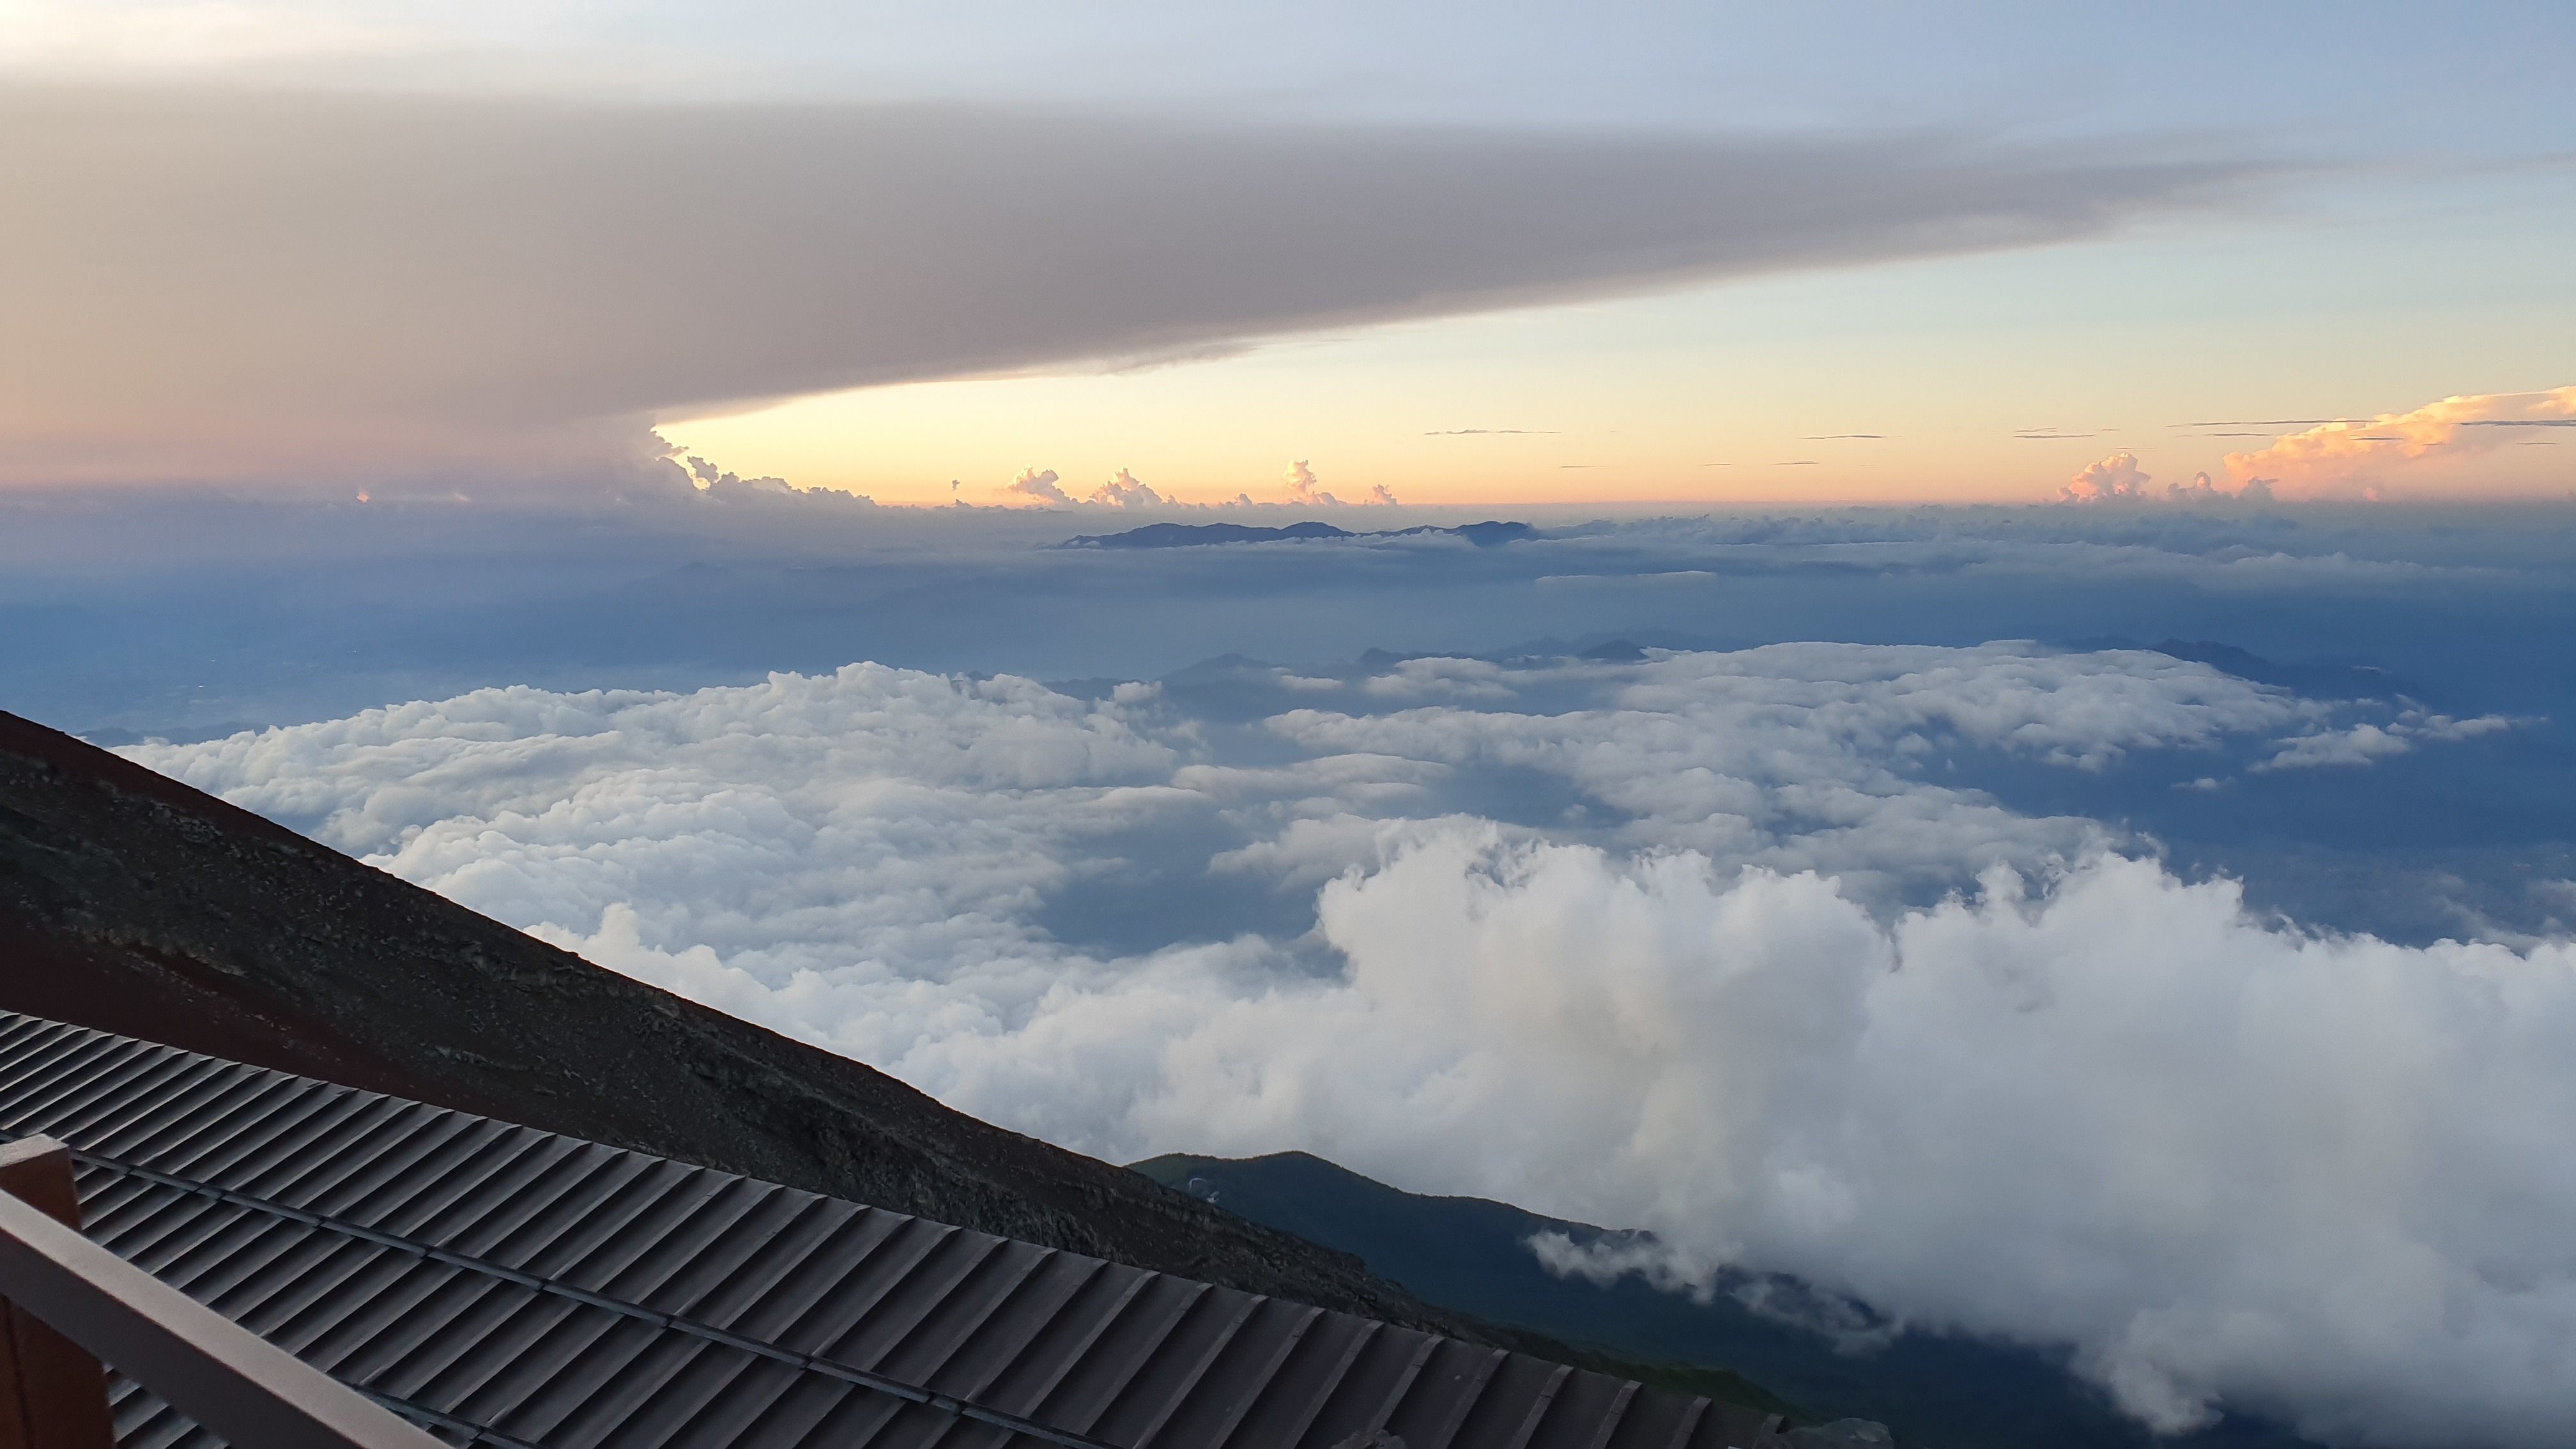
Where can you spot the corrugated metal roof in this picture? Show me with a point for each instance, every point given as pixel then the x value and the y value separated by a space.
pixel 511 1287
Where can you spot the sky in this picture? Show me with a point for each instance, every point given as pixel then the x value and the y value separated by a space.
pixel 2017 770
pixel 1465 254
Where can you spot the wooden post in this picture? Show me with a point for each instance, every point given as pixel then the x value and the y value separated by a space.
pixel 53 1394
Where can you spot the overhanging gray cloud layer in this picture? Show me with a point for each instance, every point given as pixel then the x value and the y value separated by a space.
pixel 232 274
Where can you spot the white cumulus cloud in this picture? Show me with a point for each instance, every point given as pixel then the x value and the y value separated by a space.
pixel 2404 451
pixel 2369 742
pixel 2117 476
pixel 1659 944
pixel 1040 484
pixel 1304 491
pixel 1125 491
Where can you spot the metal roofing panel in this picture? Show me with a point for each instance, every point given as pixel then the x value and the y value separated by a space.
pixel 1015 1326
pixel 1066 1339
pixel 765 1245
pixel 518 1289
pixel 787 1274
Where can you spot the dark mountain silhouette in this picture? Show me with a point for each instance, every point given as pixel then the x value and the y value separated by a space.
pixel 1189 535
pixel 1938 1391
pixel 1198 535
pixel 2317 680
pixel 134 904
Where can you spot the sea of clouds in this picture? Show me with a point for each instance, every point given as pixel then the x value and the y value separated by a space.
pixel 1743 947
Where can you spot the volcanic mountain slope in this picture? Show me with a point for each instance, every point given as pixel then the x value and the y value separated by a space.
pixel 134 904
pixel 1935 1390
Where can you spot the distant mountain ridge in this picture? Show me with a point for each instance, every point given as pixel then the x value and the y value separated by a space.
pixel 1471 1255
pixel 2319 680
pixel 1488 534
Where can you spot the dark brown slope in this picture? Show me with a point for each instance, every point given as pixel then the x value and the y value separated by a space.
pixel 134 904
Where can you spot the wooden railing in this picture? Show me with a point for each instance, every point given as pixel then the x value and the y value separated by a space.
pixel 72 1305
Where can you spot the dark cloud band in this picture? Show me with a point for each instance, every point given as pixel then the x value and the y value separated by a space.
pixel 225 270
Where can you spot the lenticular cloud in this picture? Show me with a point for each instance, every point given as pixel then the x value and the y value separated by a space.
pixel 1712 944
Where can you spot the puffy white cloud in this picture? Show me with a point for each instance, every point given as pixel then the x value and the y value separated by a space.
pixel 2391 450
pixel 1039 484
pixel 2119 479
pixel 2227 1161
pixel 1802 756
pixel 1124 491
pixel 1301 485
pixel 1641 943
pixel 1605 1261
pixel 2115 477
pixel 2202 490
pixel 1305 492
pixel 2368 742
pixel 876 829
pixel 712 479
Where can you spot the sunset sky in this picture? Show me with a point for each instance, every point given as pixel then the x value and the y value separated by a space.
pixel 711 486
pixel 1465 254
